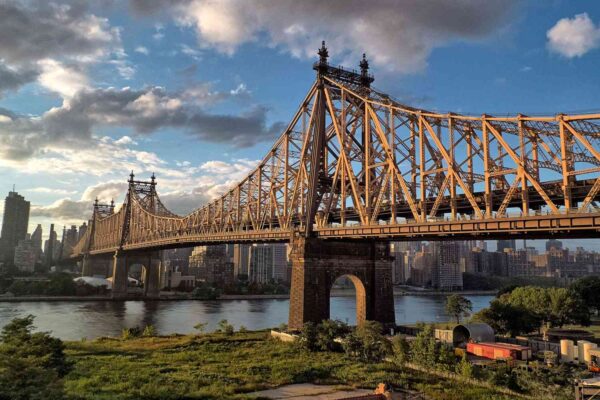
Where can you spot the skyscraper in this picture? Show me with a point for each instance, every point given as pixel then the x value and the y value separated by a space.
pixel 14 225
pixel 50 247
pixel 36 240
pixel 506 244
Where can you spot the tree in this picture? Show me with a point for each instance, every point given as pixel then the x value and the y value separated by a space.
pixel 308 336
pixel 31 364
pixel 401 350
pixel 464 367
pixel 551 306
pixel 367 343
pixel 327 333
pixel 505 318
pixel 423 348
pixel 457 306
pixel 588 289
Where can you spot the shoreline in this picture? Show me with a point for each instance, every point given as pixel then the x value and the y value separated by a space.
pixel 167 297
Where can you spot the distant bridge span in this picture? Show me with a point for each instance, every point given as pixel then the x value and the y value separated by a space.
pixel 355 164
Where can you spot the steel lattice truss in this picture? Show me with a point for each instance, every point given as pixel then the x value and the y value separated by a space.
pixel 354 160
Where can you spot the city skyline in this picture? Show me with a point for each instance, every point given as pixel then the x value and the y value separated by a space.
pixel 190 85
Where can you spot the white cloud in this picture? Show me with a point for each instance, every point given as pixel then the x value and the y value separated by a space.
pixel 573 37
pixel 142 50
pixel 60 78
pixel 125 140
pixel 396 34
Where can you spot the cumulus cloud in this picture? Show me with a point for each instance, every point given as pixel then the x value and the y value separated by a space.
pixel 71 126
pixel 142 50
pixel 62 79
pixel 14 78
pixel 396 34
pixel 573 37
pixel 36 35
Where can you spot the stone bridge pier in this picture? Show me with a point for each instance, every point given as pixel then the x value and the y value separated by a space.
pixel 317 263
pixel 150 262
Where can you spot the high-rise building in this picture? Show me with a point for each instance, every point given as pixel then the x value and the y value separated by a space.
pixel 36 239
pixel 554 244
pixel 503 245
pixel 211 264
pixel 14 225
pixel 447 274
pixel 268 262
pixel 26 255
pixel 51 247
pixel 241 260
pixel 82 230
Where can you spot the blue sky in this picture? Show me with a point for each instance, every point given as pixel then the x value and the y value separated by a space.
pixel 197 90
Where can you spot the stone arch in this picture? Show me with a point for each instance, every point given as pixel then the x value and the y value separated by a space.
pixel 361 296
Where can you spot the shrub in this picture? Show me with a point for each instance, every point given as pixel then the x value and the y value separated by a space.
pixel 200 327
pixel 400 350
pixel 327 333
pixel 149 331
pixel 367 343
pixel 31 364
pixel 226 327
pixel 308 337
pixel 130 333
pixel 464 367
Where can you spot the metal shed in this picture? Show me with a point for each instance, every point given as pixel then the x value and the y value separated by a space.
pixel 477 332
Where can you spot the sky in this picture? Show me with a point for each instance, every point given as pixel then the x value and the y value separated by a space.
pixel 196 91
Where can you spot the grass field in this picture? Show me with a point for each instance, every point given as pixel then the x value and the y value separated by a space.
pixel 217 366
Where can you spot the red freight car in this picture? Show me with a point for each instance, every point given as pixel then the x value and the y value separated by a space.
pixel 495 351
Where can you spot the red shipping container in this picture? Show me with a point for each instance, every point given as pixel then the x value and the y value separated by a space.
pixel 496 351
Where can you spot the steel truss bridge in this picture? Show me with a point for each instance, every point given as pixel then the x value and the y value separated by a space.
pixel 354 163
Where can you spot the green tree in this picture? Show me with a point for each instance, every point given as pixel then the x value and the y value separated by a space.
pixel 505 318
pixel 464 367
pixel 149 331
pixel 308 336
pixel 423 349
pixel 31 364
pixel 327 333
pixel 367 343
pixel 458 306
pixel 588 289
pixel 551 306
pixel 400 350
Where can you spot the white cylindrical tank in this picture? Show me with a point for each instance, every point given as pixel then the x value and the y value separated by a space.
pixel 586 351
pixel 567 351
pixel 580 352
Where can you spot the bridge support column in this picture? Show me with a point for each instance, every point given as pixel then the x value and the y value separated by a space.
pixel 86 266
pixel 120 279
pixel 317 263
pixel 152 276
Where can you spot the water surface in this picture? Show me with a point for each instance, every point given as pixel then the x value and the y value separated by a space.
pixel 76 320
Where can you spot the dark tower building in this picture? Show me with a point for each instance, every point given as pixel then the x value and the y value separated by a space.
pixel 14 225
pixel 506 244
pixel 50 247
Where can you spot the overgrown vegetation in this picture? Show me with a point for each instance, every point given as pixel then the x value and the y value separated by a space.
pixel 530 308
pixel 32 365
pixel 230 365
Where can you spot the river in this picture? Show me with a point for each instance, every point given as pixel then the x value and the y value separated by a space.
pixel 77 320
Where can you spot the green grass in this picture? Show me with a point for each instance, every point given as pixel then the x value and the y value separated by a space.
pixel 217 366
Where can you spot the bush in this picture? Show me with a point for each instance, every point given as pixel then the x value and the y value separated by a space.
pixel 367 343
pixel 464 367
pixel 328 331
pixel 200 327
pixel 130 333
pixel 400 350
pixel 226 327
pixel 149 331
pixel 308 337
pixel 31 364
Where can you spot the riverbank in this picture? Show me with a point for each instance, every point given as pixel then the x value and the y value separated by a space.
pixel 173 296
pixel 220 366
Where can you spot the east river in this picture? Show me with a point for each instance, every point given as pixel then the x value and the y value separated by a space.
pixel 76 320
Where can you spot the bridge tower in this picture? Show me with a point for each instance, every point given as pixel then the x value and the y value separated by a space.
pixel 144 193
pixel 90 263
pixel 317 263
